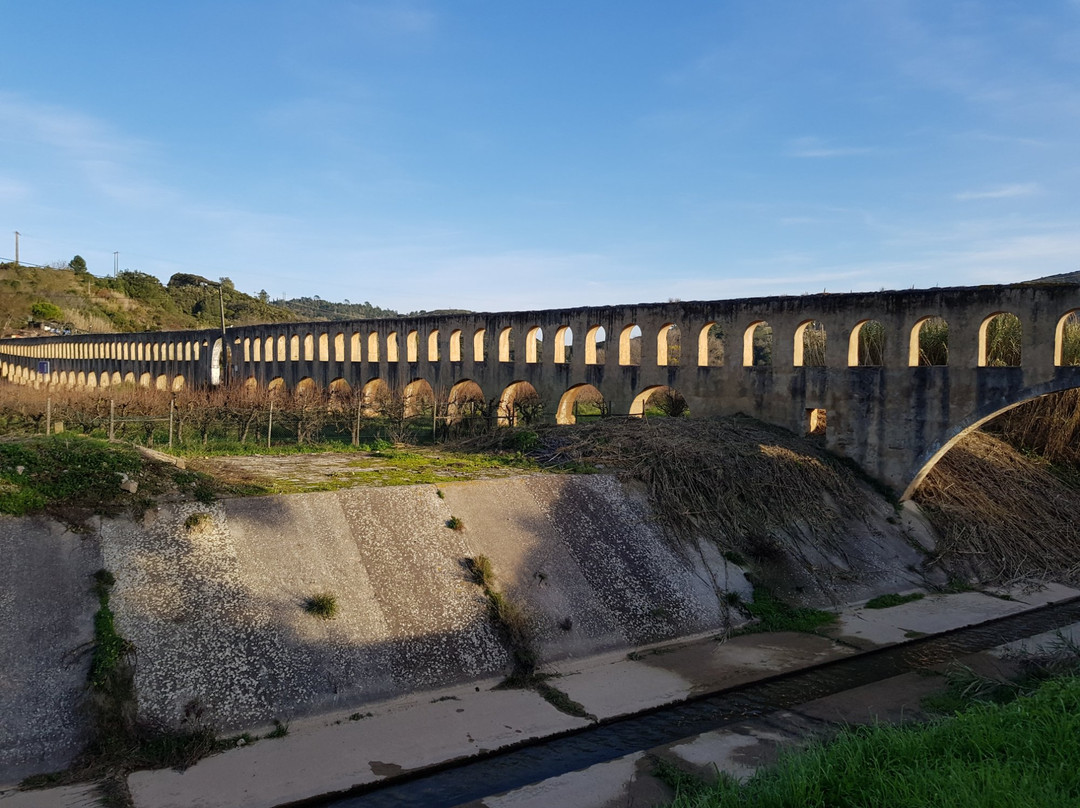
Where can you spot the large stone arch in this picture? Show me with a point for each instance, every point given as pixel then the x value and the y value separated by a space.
pixel 416 393
pixel 567 412
pixel 519 403
pixel 466 399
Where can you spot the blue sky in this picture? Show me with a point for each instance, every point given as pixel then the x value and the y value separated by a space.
pixel 493 155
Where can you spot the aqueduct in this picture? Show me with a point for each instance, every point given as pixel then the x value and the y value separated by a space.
pixel 857 367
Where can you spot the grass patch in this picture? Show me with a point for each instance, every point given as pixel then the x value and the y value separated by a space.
pixel 360 716
pixel 1019 754
pixel 538 682
pixel 455 523
pixel 323 605
pixel 198 521
pixel 481 571
pixel 890 600
pixel 773 614
pixel 280 730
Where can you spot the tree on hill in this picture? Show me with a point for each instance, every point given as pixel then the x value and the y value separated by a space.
pixel 78 265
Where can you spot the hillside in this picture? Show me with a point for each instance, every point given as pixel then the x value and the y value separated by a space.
pixel 33 299
pixel 315 308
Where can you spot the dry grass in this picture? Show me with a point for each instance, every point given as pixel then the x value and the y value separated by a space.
pixel 1002 515
pixel 734 479
pixel 1049 426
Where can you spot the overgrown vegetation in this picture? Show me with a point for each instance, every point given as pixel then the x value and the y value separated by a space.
pixel 1022 753
pixel 773 614
pixel 893 599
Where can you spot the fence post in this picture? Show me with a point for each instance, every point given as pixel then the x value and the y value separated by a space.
pixel 112 419
pixel 48 416
pixel 172 410
pixel 270 424
pixel 356 431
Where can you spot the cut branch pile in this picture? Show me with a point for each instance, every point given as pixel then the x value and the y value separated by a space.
pixel 1002 514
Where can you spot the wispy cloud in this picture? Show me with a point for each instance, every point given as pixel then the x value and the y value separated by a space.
pixel 1002 192
pixel 812 147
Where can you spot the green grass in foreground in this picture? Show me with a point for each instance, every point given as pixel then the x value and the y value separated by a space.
pixel 890 600
pixel 1024 754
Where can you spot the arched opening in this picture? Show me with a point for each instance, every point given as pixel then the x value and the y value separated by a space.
pixel 215 363
pixel 928 345
pixel 116 378
pixel 1000 341
pixel 564 344
pixel 466 400
pixel 479 351
pixel 534 345
pixel 256 350
pixel 581 403
pixel 391 347
pixel 596 345
pixel 373 347
pixel 251 383
pixel 630 345
pixel 276 387
pixel 177 384
pixel 339 347
pixel 866 347
pixel 354 347
pixel 309 348
pixel 129 378
pixel 810 344
pixel 376 397
pixel 419 398
pixel 305 388
pixel 85 380
pixel 519 404
pixel 247 350
pixel 294 348
pixel 711 346
pixel 506 345
pixel 1067 340
pixel 104 379
pixel 162 382
pixel 757 344
pixel 412 346
pixel 455 345
pixel 340 394
pixel 144 380
pixel 433 346
pixel 659 401
pixel 668 345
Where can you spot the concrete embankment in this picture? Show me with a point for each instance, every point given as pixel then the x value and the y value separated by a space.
pixel 212 598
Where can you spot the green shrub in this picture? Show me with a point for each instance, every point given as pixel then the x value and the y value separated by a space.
pixel 323 605
pixel 455 523
pixel 890 600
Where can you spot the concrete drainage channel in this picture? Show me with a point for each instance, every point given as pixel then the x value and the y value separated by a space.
pixel 454 784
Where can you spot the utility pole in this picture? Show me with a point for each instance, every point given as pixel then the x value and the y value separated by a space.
pixel 115 263
pixel 16 248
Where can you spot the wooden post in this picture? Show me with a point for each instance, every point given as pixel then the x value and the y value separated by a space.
pixel 112 419
pixel 356 431
pixel 270 424
pixel 172 412
pixel 48 416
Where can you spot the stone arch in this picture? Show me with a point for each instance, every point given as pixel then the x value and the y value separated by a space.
pixel 866 345
pixel 478 337
pixel 156 348
pixel 116 379
pixel 466 400
pixel 506 345
pixel 339 347
pixel 247 349
pixel 375 396
pixel 630 345
pixel 215 363
pixel 672 404
pixel 595 345
pixel 519 403
pixel 276 386
pixel 373 346
pixel 309 348
pixel 256 350
pixel 324 347
pixel 418 398
pixel 340 392
pixel 105 379
pixel 91 380
pixel 392 347
pixel 575 399
pixel 809 344
pixel 534 345
pixel 177 383
pixel 711 345
pixel 455 345
pixel 187 351
pixel 354 347
pixel 251 383
pixel 564 344
pixel 305 387
pixel 294 348
pixel 412 346
pixel 144 380
pixel 161 382
pixel 928 344
pixel 1001 340
pixel 668 345
pixel 1067 339
pixel 757 344
pixel 129 378
pixel 433 345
